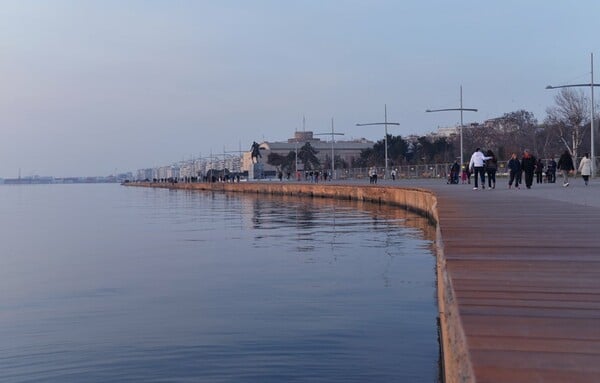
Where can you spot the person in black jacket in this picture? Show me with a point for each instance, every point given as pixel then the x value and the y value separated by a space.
pixel 551 171
pixel 565 165
pixel 514 168
pixel 528 167
pixel 454 171
pixel 491 166
pixel 539 170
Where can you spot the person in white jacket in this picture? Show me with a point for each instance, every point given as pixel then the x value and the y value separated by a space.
pixel 585 168
pixel 476 165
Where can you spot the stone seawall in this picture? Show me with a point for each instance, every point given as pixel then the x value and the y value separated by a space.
pixel 456 361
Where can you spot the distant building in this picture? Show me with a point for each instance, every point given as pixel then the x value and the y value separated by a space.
pixel 447 131
pixel 144 174
pixel 167 172
pixel 29 180
pixel 346 150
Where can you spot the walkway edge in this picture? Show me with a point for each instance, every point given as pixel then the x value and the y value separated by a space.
pixel 456 361
pixel 457 366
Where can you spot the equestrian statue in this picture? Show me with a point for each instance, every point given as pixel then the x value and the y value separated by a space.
pixel 255 152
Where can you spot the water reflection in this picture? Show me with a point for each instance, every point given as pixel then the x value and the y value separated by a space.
pixel 319 222
pixel 131 284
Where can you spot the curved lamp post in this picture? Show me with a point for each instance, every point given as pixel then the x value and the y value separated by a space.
pixel 591 85
pixel 461 109
pixel 385 123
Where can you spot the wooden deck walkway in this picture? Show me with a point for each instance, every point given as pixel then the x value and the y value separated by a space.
pixel 526 275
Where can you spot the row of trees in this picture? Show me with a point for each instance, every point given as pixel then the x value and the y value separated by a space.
pixel 307 156
pixel 566 127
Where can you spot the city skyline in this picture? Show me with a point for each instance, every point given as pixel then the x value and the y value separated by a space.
pixel 93 87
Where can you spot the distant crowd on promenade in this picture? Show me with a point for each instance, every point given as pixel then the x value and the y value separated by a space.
pixel 485 165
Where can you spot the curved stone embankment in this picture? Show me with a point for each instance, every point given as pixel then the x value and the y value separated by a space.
pixel 457 365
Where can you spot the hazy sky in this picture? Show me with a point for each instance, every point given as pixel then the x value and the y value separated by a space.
pixel 87 87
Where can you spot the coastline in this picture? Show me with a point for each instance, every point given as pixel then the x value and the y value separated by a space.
pixel 456 363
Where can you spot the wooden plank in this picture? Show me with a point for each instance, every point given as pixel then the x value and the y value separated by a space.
pixel 504 343
pixel 478 300
pixel 526 278
pixel 542 298
pixel 538 327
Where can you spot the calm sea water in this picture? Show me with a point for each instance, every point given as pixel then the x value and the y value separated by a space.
pixel 104 283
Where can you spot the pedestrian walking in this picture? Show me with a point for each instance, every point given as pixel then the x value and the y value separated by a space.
pixel 373 175
pixel 565 165
pixel 528 167
pixel 476 165
pixel 539 170
pixel 514 170
pixel 585 168
pixel 454 171
pixel 491 167
pixel 551 171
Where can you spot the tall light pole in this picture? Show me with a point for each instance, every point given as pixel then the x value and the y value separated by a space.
pixel 385 123
pixel 591 85
pixel 296 146
pixel 461 109
pixel 333 134
pixel 296 161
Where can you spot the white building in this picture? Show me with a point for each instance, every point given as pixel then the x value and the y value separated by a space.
pixel 447 131
pixel 144 174
pixel 166 172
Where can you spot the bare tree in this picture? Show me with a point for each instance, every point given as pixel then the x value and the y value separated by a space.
pixel 474 136
pixel 518 130
pixel 508 134
pixel 550 145
pixel 568 117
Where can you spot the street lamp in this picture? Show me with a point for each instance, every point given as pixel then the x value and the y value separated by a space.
pixel 461 109
pixel 385 123
pixel 296 159
pixel 591 85
pixel 333 133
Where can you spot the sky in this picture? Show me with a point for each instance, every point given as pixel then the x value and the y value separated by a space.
pixel 90 88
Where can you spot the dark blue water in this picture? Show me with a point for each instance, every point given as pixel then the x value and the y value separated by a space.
pixel 103 283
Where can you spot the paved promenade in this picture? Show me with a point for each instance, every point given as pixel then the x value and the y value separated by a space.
pixel 525 266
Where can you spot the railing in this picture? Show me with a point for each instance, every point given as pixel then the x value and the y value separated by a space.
pixel 410 171
pixel 422 171
pixel 441 171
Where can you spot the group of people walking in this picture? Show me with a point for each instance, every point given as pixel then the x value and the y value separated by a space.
pixel 528 166
pixel 481 165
